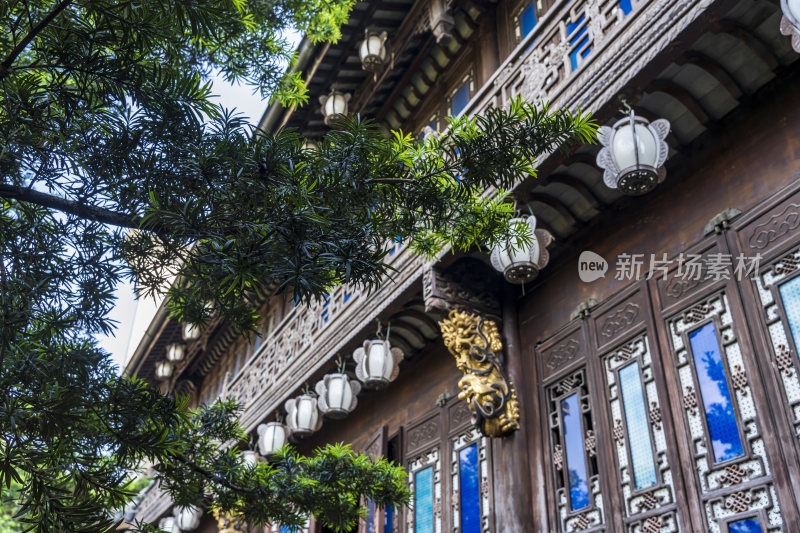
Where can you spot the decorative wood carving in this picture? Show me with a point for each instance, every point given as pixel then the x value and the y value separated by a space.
pixel 739 379
pixel 558 457
pixel 618 432
pixel 739 501
pixel 467 284
pixel 655 415
pixel 785 360
pixel 619 320
pixel 562 354
pixel 423 434
pixel 590 443
pixel 775 227
pixel 733 475
pixel 459 415
pixel 690 400
pixel 475 343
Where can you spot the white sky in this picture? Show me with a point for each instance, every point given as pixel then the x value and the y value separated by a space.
pixel 133 316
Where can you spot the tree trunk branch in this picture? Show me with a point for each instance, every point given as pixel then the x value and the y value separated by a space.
pixel 6 65
pixel 88 212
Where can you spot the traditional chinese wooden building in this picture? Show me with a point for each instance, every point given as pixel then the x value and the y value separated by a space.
pixel 663 396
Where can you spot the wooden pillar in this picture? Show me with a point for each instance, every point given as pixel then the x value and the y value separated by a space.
pixel 512 483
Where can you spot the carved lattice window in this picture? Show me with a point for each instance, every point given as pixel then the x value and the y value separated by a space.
pixel 720 413
pixel 639 437
pixel 469 474
pixel 574 453
pixel 424 476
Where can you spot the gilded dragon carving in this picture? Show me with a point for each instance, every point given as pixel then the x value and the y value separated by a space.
pixel 475 343
pixel 229 523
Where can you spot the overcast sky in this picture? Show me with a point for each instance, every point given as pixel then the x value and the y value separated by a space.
pixel 129 331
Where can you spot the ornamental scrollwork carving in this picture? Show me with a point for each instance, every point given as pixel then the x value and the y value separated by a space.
pixel 777 226
pixel 475 343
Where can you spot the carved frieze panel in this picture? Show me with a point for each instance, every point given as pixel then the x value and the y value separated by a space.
pixel 773 228
pixel 468 284
pixel 693 271
pixel 617 318
pixel 423 434
pixel 566 349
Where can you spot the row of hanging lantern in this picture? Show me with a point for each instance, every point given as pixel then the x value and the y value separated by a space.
pixel 336 394
pixel 177 350
pixel 373 52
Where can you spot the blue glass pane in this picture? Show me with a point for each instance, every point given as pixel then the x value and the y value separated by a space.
pixel 721 420
pixel 470 489
pixel 460 100
pixel 527 19
pixel 576 38
pixel 644 468
pixel 370 519
pixel 625 6
pixel 576 460
pixel 790 294
pixel 285 529
pixel 748 525
pixel 387 525
pixel 423 501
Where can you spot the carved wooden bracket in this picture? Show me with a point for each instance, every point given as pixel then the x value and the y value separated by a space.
pixel 476 345
pixel 468 284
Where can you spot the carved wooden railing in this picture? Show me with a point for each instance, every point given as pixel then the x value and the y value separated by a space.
pixel 581 53
pixel 309 335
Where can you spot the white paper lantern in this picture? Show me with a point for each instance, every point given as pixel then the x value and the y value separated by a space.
pixel 790 22
pixel 188 518
pixel 303 415
pixel 249 457
pixel 272 436
pixel 337 395
pixel 633 154
pixel 169 524
pixel 377 363
pixel 334 105
pixel 175 351
pixel 373 51
pixel 521 263
pixel 163 369
pixel 190 332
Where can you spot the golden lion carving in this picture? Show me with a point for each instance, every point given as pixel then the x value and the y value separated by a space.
pixel 491 397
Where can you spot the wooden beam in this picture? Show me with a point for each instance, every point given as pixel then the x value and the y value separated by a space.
pixel 714 68
pixel 683 96
pixel 580 187
pixel 754 42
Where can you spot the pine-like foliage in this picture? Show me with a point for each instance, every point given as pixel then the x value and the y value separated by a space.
pixel 115 163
